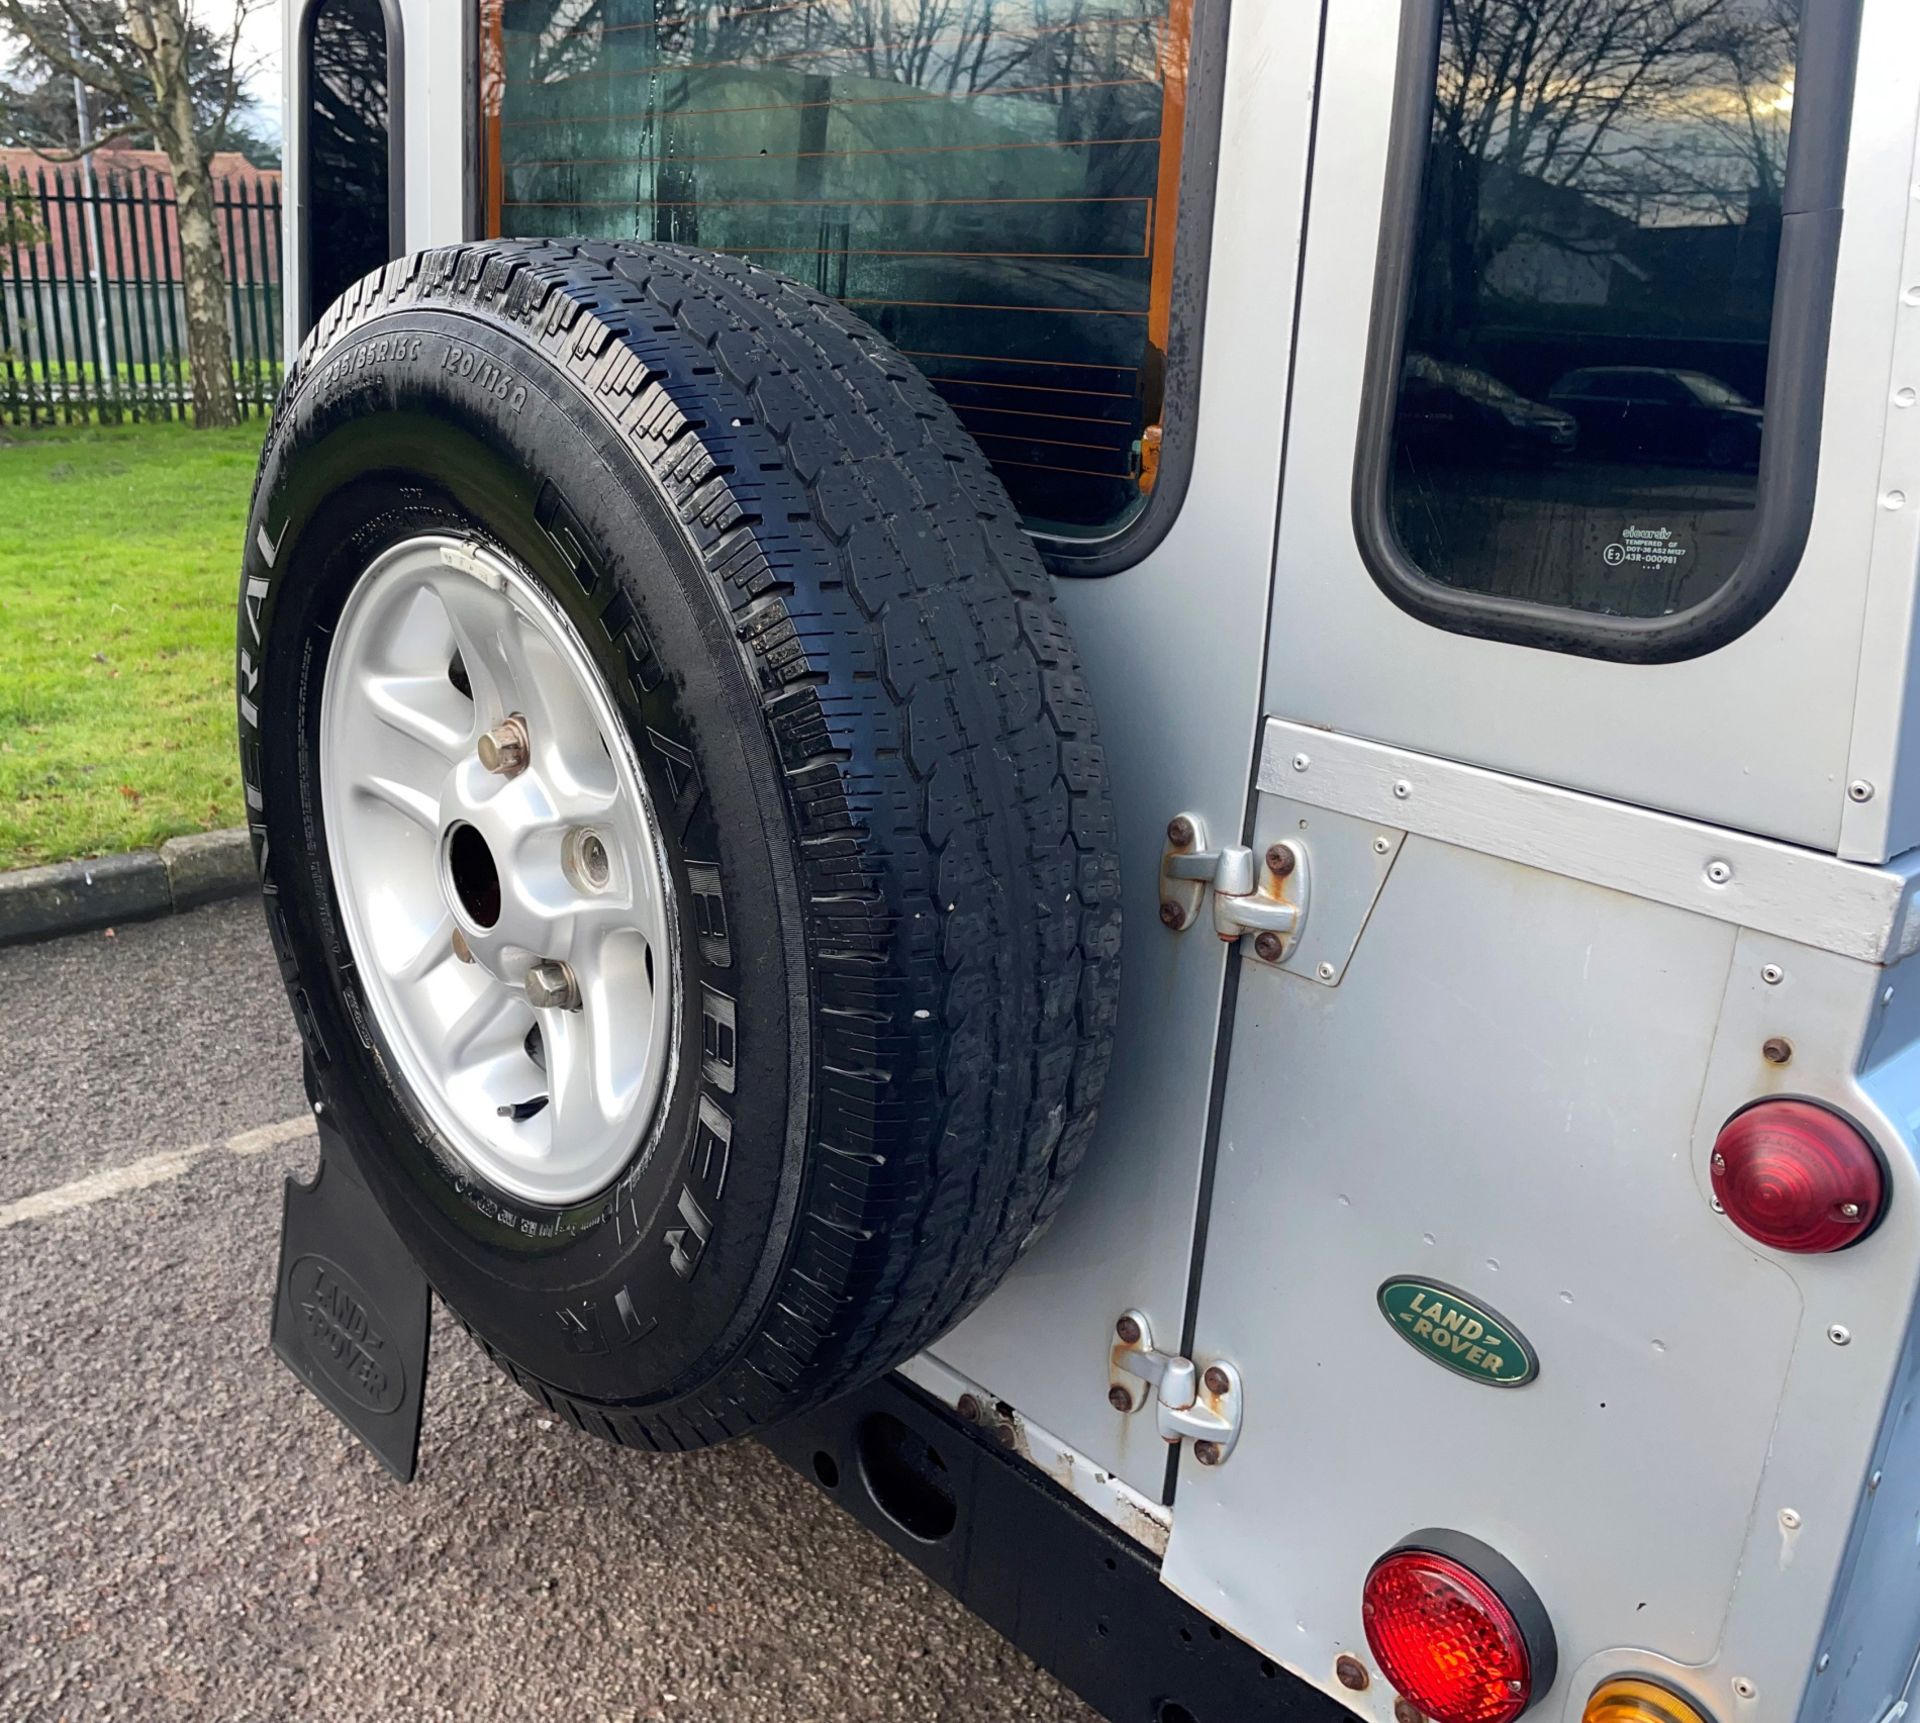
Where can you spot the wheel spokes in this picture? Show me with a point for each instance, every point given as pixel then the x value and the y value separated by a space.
pixel 468 873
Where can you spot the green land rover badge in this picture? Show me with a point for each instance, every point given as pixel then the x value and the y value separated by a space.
pixel 1455 1330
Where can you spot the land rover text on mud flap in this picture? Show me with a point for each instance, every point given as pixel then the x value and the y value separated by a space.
pixel 1457 1255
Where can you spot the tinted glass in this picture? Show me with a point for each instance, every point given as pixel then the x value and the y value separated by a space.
pixel 989 182
pixel 1584 382
pixel 348 117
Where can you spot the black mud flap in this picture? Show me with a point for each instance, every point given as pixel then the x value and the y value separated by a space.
pixel 351 1309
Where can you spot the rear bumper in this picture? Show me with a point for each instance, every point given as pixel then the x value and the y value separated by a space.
pixel 1078 1598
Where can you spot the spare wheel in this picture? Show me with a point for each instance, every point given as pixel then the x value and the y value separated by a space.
pixel 682 820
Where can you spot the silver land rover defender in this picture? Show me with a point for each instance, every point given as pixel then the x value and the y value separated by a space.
pixel 793 523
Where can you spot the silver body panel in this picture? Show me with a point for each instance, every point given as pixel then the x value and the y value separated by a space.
pixel 1541 1005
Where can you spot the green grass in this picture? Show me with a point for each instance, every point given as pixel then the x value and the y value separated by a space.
pixel 119 559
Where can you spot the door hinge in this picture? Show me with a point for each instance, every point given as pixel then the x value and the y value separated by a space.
pixel 1264 896
pixel 1189 1403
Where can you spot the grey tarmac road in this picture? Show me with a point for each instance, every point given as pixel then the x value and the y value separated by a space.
pixel 184 1534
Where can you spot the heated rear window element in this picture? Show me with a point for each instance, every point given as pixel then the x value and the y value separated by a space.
pixel 1579 405
pixel 990 183
pixel 352 214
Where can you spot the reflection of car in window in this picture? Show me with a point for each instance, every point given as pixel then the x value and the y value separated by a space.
pixel 1649 412
pixel 1447 407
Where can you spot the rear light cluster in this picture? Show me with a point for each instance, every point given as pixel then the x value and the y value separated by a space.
pixel 1797 1177
pixel 1630 1699
pixel 1457 1630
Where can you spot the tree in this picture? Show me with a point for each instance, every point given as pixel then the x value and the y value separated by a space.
pixel 138 54
pixel 1649 113
pixel 37 111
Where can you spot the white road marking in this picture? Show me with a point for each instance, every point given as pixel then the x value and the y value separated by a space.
pixel 150 1170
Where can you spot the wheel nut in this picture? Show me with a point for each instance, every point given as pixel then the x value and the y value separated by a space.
pixel 503 749
pixel 587 860
pixel 1119 1399
pixel 461 949
pixel 551 987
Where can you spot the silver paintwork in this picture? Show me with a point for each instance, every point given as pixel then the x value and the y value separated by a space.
pixel 1558 908
pixel 551 1117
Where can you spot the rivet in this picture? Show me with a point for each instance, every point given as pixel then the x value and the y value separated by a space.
pixel 1873 1483
pixel 1886 997
pixel 1894 500
pixel 1301 762
pixel 1207 1453
pixel 1820 1666
pixel 1350 1672
pixel 1912 296
pixel 1217 1380
pixel 1326 972
pixel 1905 397
pixel 1128 1330
pixel 1776 1050
pixel 1180 831
pixel 1172 915
pixel 1267 947
pixel 1790 1518
pixel 1839 1334
pixel 1119 1399
pixel 1381 845
pixel 968 1407
pixel 1281 860
pixel 1402 788
pixel 1860 790
pixel 1743 1688
pixel 1405 1711
pixel 1772 974
pixel 1719 872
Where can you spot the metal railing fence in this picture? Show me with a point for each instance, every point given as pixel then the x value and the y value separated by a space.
pixel 92 305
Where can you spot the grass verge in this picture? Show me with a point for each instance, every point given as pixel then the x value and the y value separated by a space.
pixel 119 552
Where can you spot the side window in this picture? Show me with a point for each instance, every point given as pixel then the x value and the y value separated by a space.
pixel 350 54
pixel 1611 242
pixel 991 183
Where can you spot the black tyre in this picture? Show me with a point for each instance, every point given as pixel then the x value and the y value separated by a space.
pixel 883 809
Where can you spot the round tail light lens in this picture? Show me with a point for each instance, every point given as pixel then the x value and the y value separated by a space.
pixel 1630 1699
pixel 1797 1177
pixel 1450 1635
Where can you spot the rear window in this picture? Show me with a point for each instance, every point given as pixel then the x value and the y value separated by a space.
pixel 352 212
pixel 1585 287
pixel 990 183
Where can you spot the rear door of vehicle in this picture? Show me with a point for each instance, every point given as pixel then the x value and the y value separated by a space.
pixel 1513 710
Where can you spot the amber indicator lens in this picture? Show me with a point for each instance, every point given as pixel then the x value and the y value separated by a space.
pixel 1443 1637
pixel 1796 1177
pixel 1630 1699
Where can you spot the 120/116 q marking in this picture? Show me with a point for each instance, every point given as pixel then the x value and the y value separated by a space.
pixel 486 376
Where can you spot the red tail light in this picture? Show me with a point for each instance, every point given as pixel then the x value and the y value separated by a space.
pixel 1457 1630
pixel 1797 1177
